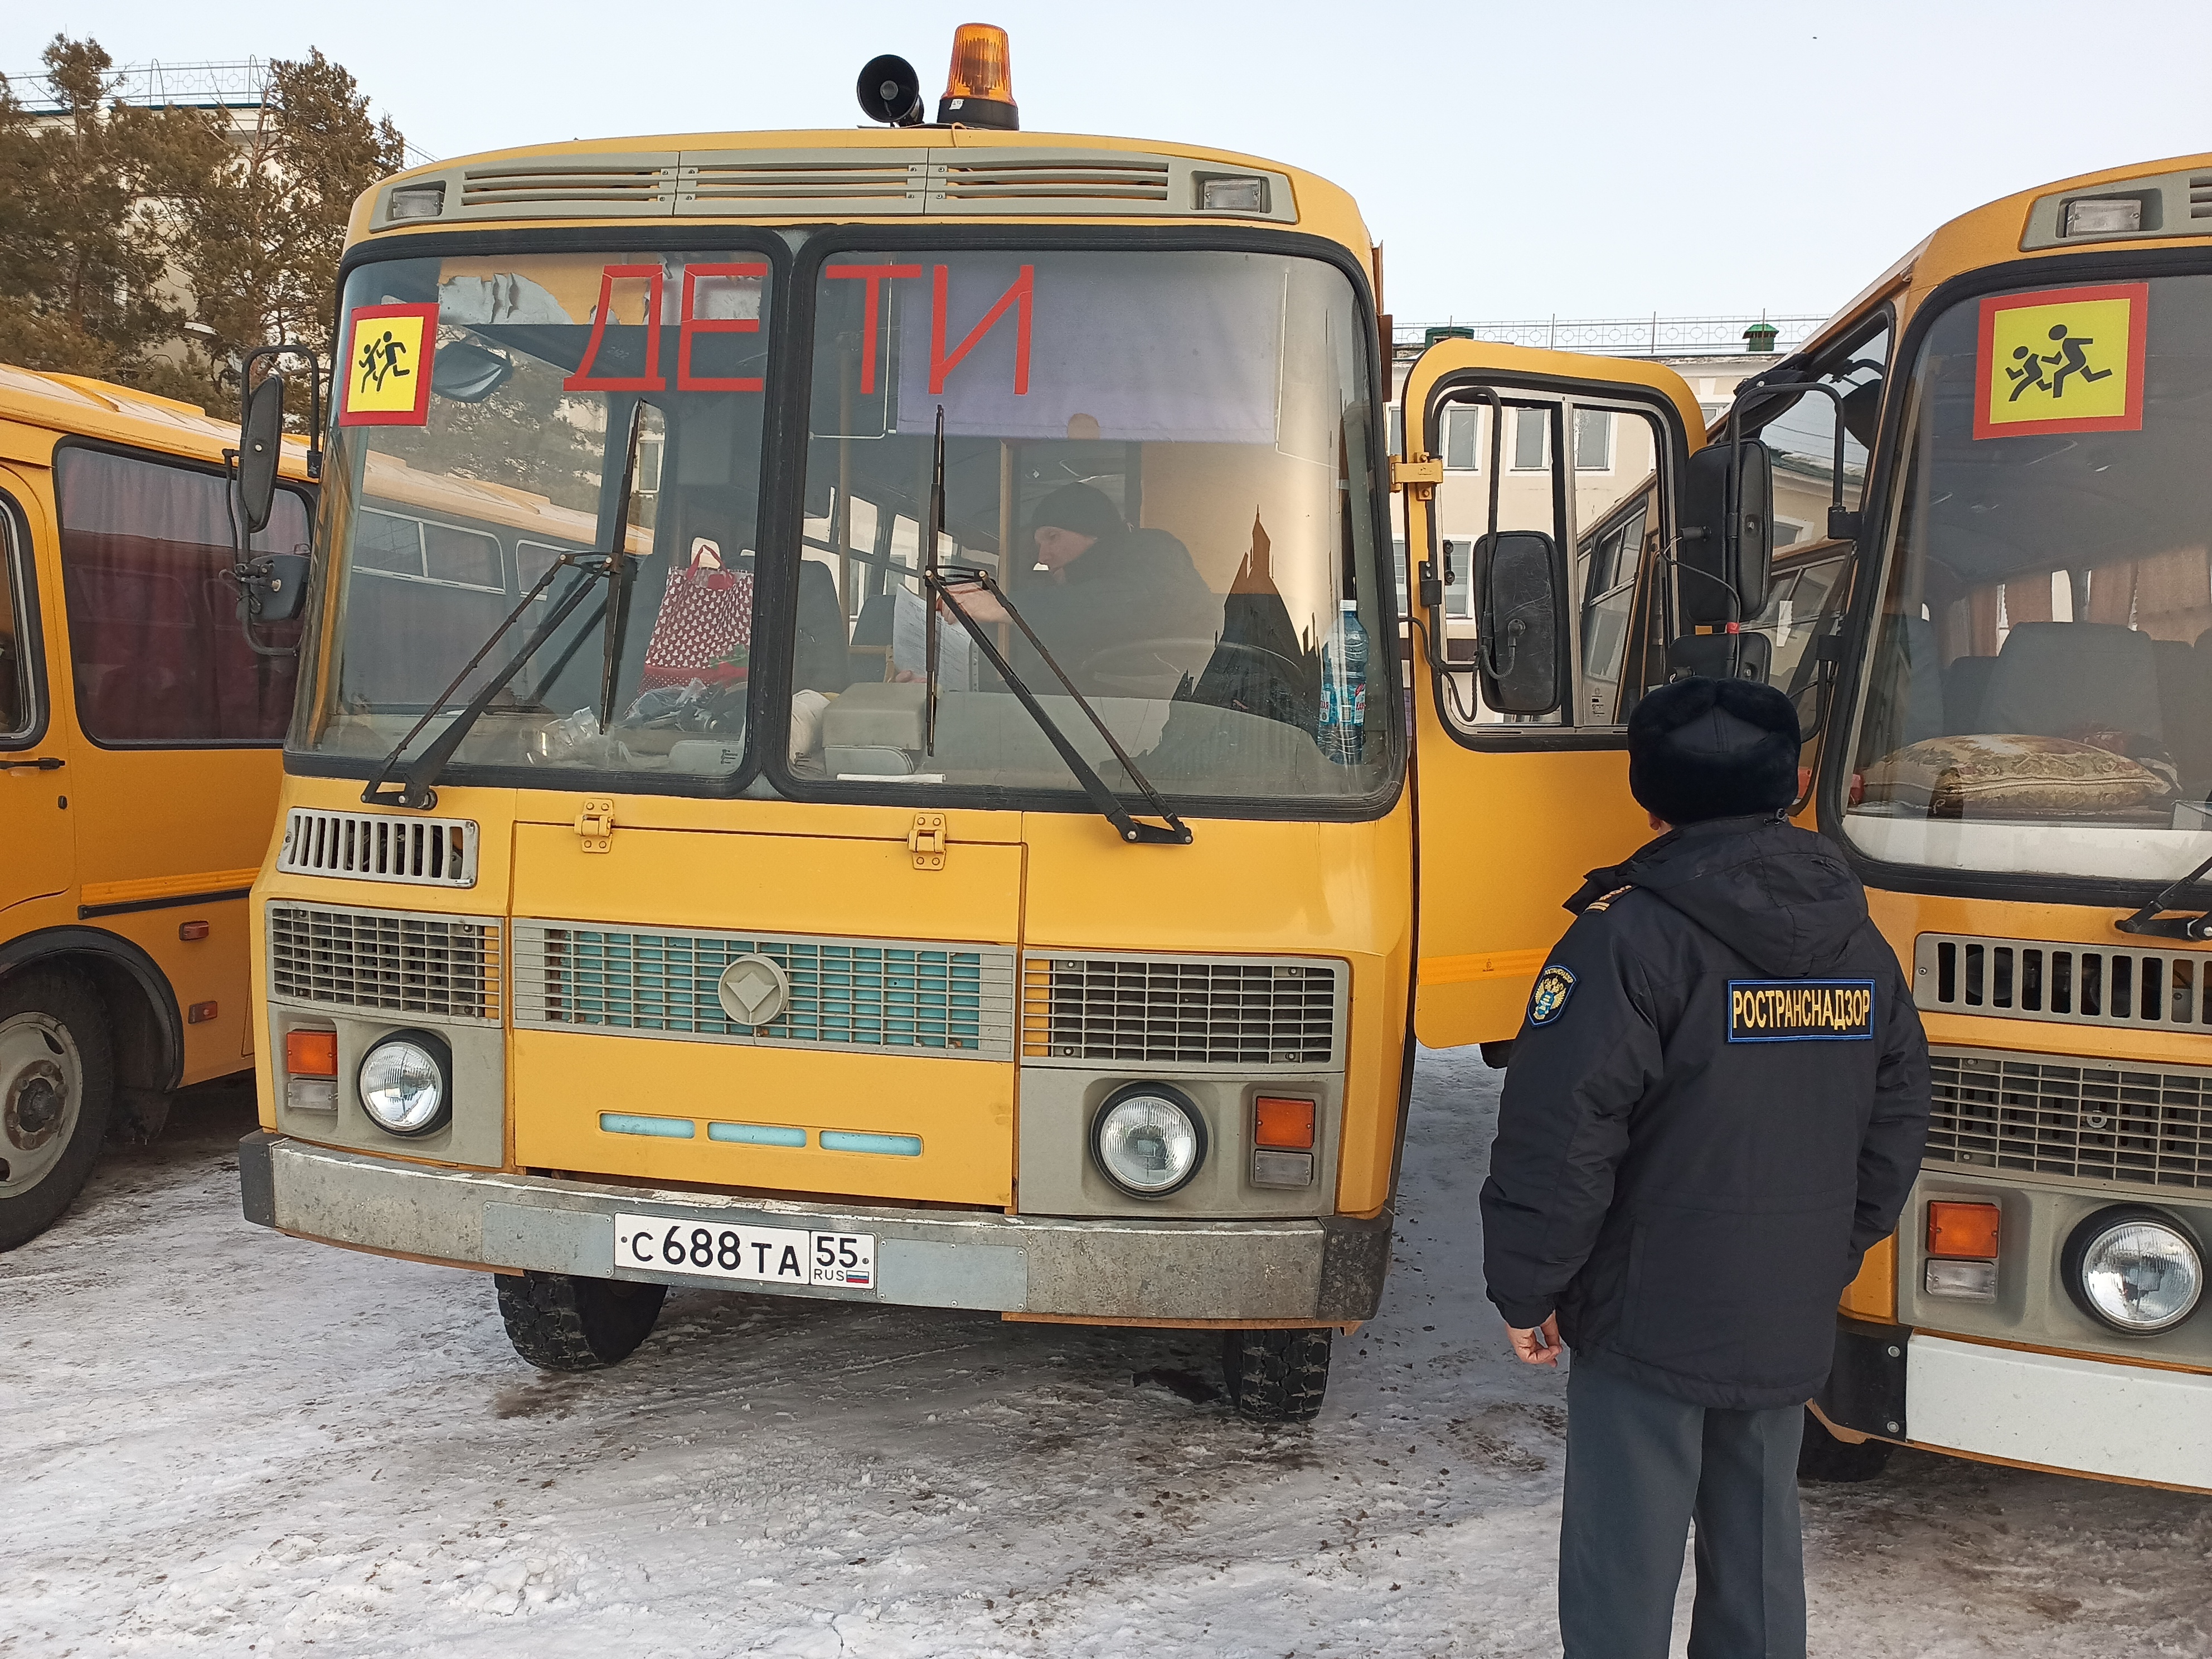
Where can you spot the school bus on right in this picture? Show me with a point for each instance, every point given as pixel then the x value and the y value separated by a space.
pixel 2014 708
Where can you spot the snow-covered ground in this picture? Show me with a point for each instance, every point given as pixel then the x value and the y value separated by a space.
pixel 217 1440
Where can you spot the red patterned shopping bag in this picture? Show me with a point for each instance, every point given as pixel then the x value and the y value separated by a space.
pixel 705 627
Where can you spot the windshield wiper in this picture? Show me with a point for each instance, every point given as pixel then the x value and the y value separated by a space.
pixel 1177 833
pixel 936 586
pixel 2151 920
pixel 415 791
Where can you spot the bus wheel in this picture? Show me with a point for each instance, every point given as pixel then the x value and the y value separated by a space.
pixel 1821 1456
pixel 560 1322
pixel 1277 1376
pixel 57 1090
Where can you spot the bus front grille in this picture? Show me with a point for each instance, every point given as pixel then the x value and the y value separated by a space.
pixel 1184 1010
pixel 2071 983
pixel 2079 1118
pixel 388 961
pixel 379 847
pixel 953 1001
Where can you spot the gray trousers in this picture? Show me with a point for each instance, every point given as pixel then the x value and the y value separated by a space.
pixel 1640 1465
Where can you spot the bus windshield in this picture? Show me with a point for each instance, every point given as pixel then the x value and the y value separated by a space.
pixel 1164 460
pixel 2040 698
pixel 443 512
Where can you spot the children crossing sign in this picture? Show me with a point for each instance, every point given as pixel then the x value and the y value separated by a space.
pixel 385 373
pixel 2061 360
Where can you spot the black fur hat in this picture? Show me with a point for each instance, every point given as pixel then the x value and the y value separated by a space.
pixel 1713 748
pixel 1082 508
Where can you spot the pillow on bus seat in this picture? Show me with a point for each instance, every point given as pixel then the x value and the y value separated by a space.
pixel 2056 678
pixel 2012 773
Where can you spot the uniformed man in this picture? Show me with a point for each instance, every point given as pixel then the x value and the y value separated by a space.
pixel 1715 1106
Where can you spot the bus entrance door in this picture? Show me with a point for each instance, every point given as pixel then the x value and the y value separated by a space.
pixel 1538 493
pixel 34 826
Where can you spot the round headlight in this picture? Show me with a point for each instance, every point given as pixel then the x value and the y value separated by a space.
pixel 2135 1269
pixel 1148 1139
pixel 406 1083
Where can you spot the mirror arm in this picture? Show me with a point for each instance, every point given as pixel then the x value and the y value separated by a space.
pixel 1843 524
pixel 1430 597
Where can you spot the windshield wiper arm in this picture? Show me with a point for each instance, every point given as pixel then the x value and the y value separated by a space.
pixel 415 790
pixel 1177 833
pixel 2150 919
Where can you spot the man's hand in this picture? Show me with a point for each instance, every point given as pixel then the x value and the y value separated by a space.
pixel 1539 1346
pixel 977 602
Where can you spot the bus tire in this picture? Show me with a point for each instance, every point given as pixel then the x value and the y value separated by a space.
pixel 1821 1456
pixel 1277 1376
pixel 560 1322
pixel 56 1094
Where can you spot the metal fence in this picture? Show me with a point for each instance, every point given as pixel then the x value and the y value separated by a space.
pixel 156 85
pixel 1625 336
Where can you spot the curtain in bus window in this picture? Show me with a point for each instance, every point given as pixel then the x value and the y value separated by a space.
pixel 1160 351
pixel 155 645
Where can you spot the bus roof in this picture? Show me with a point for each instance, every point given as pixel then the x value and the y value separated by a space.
pixel 125 415
pixel 867 174
pixel 2176 194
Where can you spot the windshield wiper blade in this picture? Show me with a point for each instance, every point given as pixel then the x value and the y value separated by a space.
pixel 415 790
pixel 1135 830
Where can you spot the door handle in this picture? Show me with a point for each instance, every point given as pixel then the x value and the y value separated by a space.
pixel 43 763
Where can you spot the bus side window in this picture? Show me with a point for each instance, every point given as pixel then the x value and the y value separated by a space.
pixel 16 704
pixel 156 652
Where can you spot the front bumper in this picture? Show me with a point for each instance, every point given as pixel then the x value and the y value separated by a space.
pixel 1324 1272
pixel 2072 1413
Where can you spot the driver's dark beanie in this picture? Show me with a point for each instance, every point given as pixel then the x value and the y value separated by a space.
pixel 1702 748
pixel 1079 507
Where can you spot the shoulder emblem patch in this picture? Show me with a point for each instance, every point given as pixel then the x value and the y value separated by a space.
pixel 1549 1000
pixel 1801 1011
pixel 1599 903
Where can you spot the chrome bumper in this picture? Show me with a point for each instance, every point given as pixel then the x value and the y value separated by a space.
pixel 1324 1272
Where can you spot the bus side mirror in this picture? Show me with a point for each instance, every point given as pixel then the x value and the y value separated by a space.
pixel 1521 621
pixel 1728 532
pixel 260 443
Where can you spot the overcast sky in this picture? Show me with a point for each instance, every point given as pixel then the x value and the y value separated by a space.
pixel 1589 160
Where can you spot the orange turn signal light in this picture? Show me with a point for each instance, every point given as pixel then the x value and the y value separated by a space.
pixel 1963 1231
pixel 1283 1125
pixel 311 1054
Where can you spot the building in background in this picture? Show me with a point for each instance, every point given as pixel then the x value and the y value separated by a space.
pixel 1612 453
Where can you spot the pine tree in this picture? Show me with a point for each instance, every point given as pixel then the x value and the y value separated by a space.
pixel 264 236
pixel 88 204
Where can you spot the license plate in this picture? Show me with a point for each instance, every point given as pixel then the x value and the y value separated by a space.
pixel 759 1256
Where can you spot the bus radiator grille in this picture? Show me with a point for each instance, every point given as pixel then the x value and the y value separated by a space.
pixel 393 961
pixel 2078 1118
pixel 1180 1012
pixel 950 1000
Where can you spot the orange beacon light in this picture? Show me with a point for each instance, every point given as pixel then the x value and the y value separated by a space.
pixel 979 89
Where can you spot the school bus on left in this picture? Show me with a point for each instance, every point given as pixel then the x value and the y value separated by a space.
pixel 140 736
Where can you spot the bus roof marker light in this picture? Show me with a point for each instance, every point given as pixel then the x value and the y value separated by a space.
pixel 978 87
pixel 414 202
pixel 2106 216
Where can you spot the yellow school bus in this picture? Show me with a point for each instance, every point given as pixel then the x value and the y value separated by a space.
pixel 942 833
pixel 139 733
pixel 2008 650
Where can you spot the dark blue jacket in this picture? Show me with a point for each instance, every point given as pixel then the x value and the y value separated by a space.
pixel 1716 1104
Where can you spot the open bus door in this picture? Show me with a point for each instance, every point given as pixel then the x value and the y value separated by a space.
pixel 1540 497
